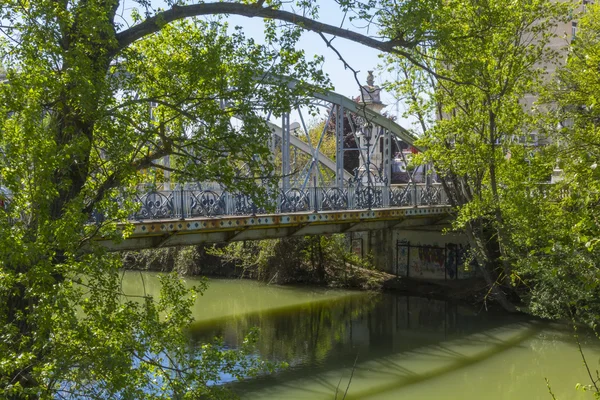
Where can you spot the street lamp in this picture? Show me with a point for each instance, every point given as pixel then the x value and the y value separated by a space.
pixel 368 134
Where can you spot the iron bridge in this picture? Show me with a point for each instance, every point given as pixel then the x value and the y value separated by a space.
pixel 188 215
pixel 317 194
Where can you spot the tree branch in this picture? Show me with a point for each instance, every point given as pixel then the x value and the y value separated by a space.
pixel 155 23
pixel 115 179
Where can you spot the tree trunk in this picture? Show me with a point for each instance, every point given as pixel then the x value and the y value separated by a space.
pixel 482 241
pixel 502 237
pixel 18 306
pixel 488 263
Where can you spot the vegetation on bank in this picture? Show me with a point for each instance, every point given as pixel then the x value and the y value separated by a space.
pixel 318 260
pixel 497 127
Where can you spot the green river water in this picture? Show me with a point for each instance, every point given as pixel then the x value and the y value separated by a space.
pixel 390 346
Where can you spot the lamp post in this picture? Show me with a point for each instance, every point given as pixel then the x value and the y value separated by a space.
pixel 367 134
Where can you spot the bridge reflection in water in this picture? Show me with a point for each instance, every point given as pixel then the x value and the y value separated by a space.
pixel 404 347
pixel 401 346
pixel 323 336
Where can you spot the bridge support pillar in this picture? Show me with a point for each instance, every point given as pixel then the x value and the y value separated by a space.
pixel 381 247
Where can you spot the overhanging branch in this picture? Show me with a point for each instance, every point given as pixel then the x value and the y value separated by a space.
pixel 155 23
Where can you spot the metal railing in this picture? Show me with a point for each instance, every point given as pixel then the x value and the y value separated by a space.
pixel 207 200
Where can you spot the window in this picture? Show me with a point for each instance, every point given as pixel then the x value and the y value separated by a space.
pixel 573 30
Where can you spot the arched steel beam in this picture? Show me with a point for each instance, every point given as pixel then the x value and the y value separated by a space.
pixel 352 106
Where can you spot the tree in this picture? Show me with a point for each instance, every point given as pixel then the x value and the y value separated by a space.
pixel 565 273
pixel 476 123
pixel 76 133
pixel 87 105
pixel 538 237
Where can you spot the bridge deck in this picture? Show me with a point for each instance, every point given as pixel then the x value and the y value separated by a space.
pixel 191 231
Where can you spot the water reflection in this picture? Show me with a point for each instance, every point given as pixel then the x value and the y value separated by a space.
pixel 304 334
pixel 234 297
pixel 384 377
pixel 392 346
pixel 406 347
pixel 321 338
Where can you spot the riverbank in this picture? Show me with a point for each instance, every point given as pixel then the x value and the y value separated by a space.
pixel 285 266
pixel 281 268
pixel 473 290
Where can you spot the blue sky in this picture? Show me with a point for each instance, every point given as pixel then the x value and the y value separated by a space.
pixel 360 57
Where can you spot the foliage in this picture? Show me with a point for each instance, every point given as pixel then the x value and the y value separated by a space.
pixel 76 136
pixel 318 259
pixel 477 122
pixel 476 125
pixel 565 270
pixel 84 114
pixel 185 261
pixel 321 137
pixel 251 256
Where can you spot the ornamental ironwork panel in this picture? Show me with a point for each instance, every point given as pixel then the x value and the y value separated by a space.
pixel 245 205
pixel 368 197
pixel 206 203
pixel 401 196
pixel 334 199
pixel 295 200
pixel 431 195
pixel 155 205
pixel 209 202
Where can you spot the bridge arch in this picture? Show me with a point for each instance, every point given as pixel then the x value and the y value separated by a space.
pixel 340 109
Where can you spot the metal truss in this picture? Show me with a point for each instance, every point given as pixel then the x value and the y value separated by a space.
pixel 340 111
pixel 303 186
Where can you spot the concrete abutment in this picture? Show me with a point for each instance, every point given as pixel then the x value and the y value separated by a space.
pixel 423 254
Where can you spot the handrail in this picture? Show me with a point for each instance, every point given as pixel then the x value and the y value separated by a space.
pixel 207 201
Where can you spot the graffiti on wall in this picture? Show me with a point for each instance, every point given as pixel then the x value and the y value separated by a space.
pixel 432 261
pixel 427 261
